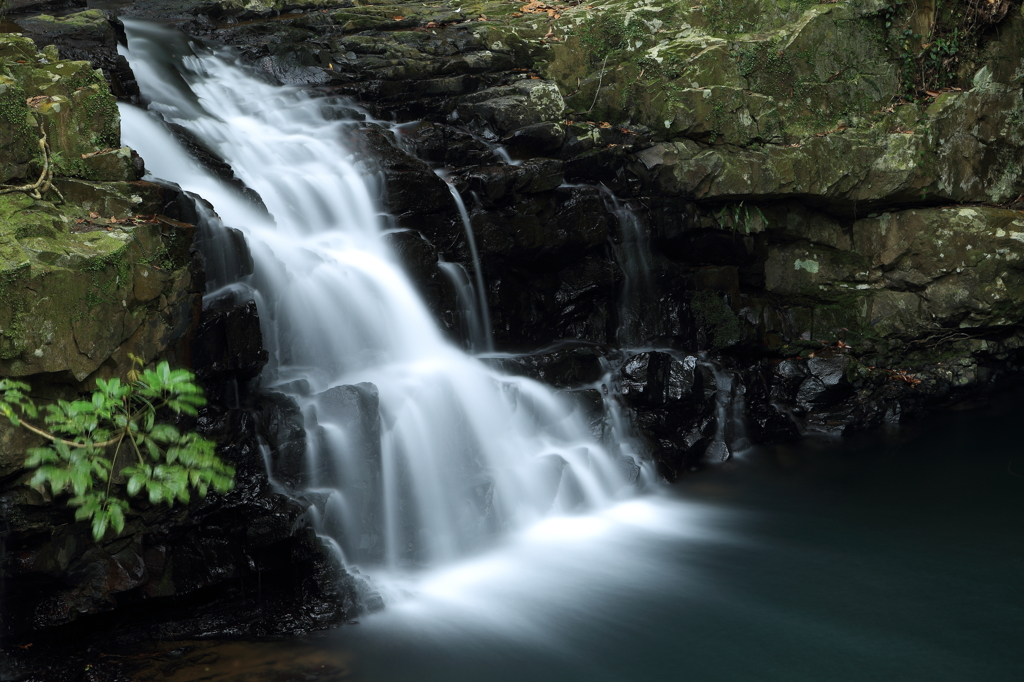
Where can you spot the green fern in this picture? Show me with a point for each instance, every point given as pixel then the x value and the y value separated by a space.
pixel 88 439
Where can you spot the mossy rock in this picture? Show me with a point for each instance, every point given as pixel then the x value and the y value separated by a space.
pixel 92 20
pixel 906 273
pixel 70 101
pixel 800 66
pixel 78 294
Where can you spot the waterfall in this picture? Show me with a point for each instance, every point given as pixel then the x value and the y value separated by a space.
pixel 417 452
pixel 637 300
pixel 480 319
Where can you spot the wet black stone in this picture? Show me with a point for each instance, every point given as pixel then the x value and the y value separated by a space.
pixel 229 343
pixel 445 145
pixel 544 138
pixel 282 426
pixel 412 186
pixel 563 367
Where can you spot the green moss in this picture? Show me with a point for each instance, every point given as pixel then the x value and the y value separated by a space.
pixel 604 33
pixel 12 336
pixel 731 17
pixel 109 274
pixel 18 139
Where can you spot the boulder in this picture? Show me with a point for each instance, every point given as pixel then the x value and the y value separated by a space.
pixel 511 107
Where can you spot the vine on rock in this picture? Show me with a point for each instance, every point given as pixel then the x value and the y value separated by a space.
pixel 44 184
pixel 88 439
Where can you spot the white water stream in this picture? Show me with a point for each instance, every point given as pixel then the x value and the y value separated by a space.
pixel 466 454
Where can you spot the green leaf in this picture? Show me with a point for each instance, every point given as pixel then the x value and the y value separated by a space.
pixel 156 491
pixel 116 518
pixel 99 526
pixel 81 480
pixel 135 484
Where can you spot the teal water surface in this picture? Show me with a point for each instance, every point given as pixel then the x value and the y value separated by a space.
pixel 884 557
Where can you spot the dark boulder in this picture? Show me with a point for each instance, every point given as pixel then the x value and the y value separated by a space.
pixel 445 145
pixel 544 138
pixel 511 107
pixel 411 184
pixel 671 399
pixel 229 343
pixel 561 367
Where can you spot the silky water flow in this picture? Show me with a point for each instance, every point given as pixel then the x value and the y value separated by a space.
pixel 464 454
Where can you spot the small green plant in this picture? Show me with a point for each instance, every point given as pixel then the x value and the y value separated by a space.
pixel 739 217
pixel 88 439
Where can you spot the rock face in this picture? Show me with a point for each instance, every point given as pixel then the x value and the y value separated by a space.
pixel 776 189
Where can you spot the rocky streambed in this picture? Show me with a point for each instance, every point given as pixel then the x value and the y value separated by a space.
pixel 675 208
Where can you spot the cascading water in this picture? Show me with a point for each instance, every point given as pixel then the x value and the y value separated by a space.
pixel 459 453
pixel 480 318
pixel 637 301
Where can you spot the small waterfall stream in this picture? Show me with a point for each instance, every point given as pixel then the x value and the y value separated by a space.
pixel 637 301
pixel 459 454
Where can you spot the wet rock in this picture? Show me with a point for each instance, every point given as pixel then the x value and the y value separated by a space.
pixel 827 382
pixel 419 259
pixel 543 230
pixel 655 378
pixel 540 138
pixel 629 468
pixel 589 403
pixel 355 407
pixel 492 184
pixel 356 411
pixel 562 367
pixel 283 427
pixel 670 398
pixel 539 307
pixel 349 418
pixel 412 186
pixel 229 343
pixel 445 145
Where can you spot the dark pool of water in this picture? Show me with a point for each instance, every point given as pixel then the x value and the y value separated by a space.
pixel 885 557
